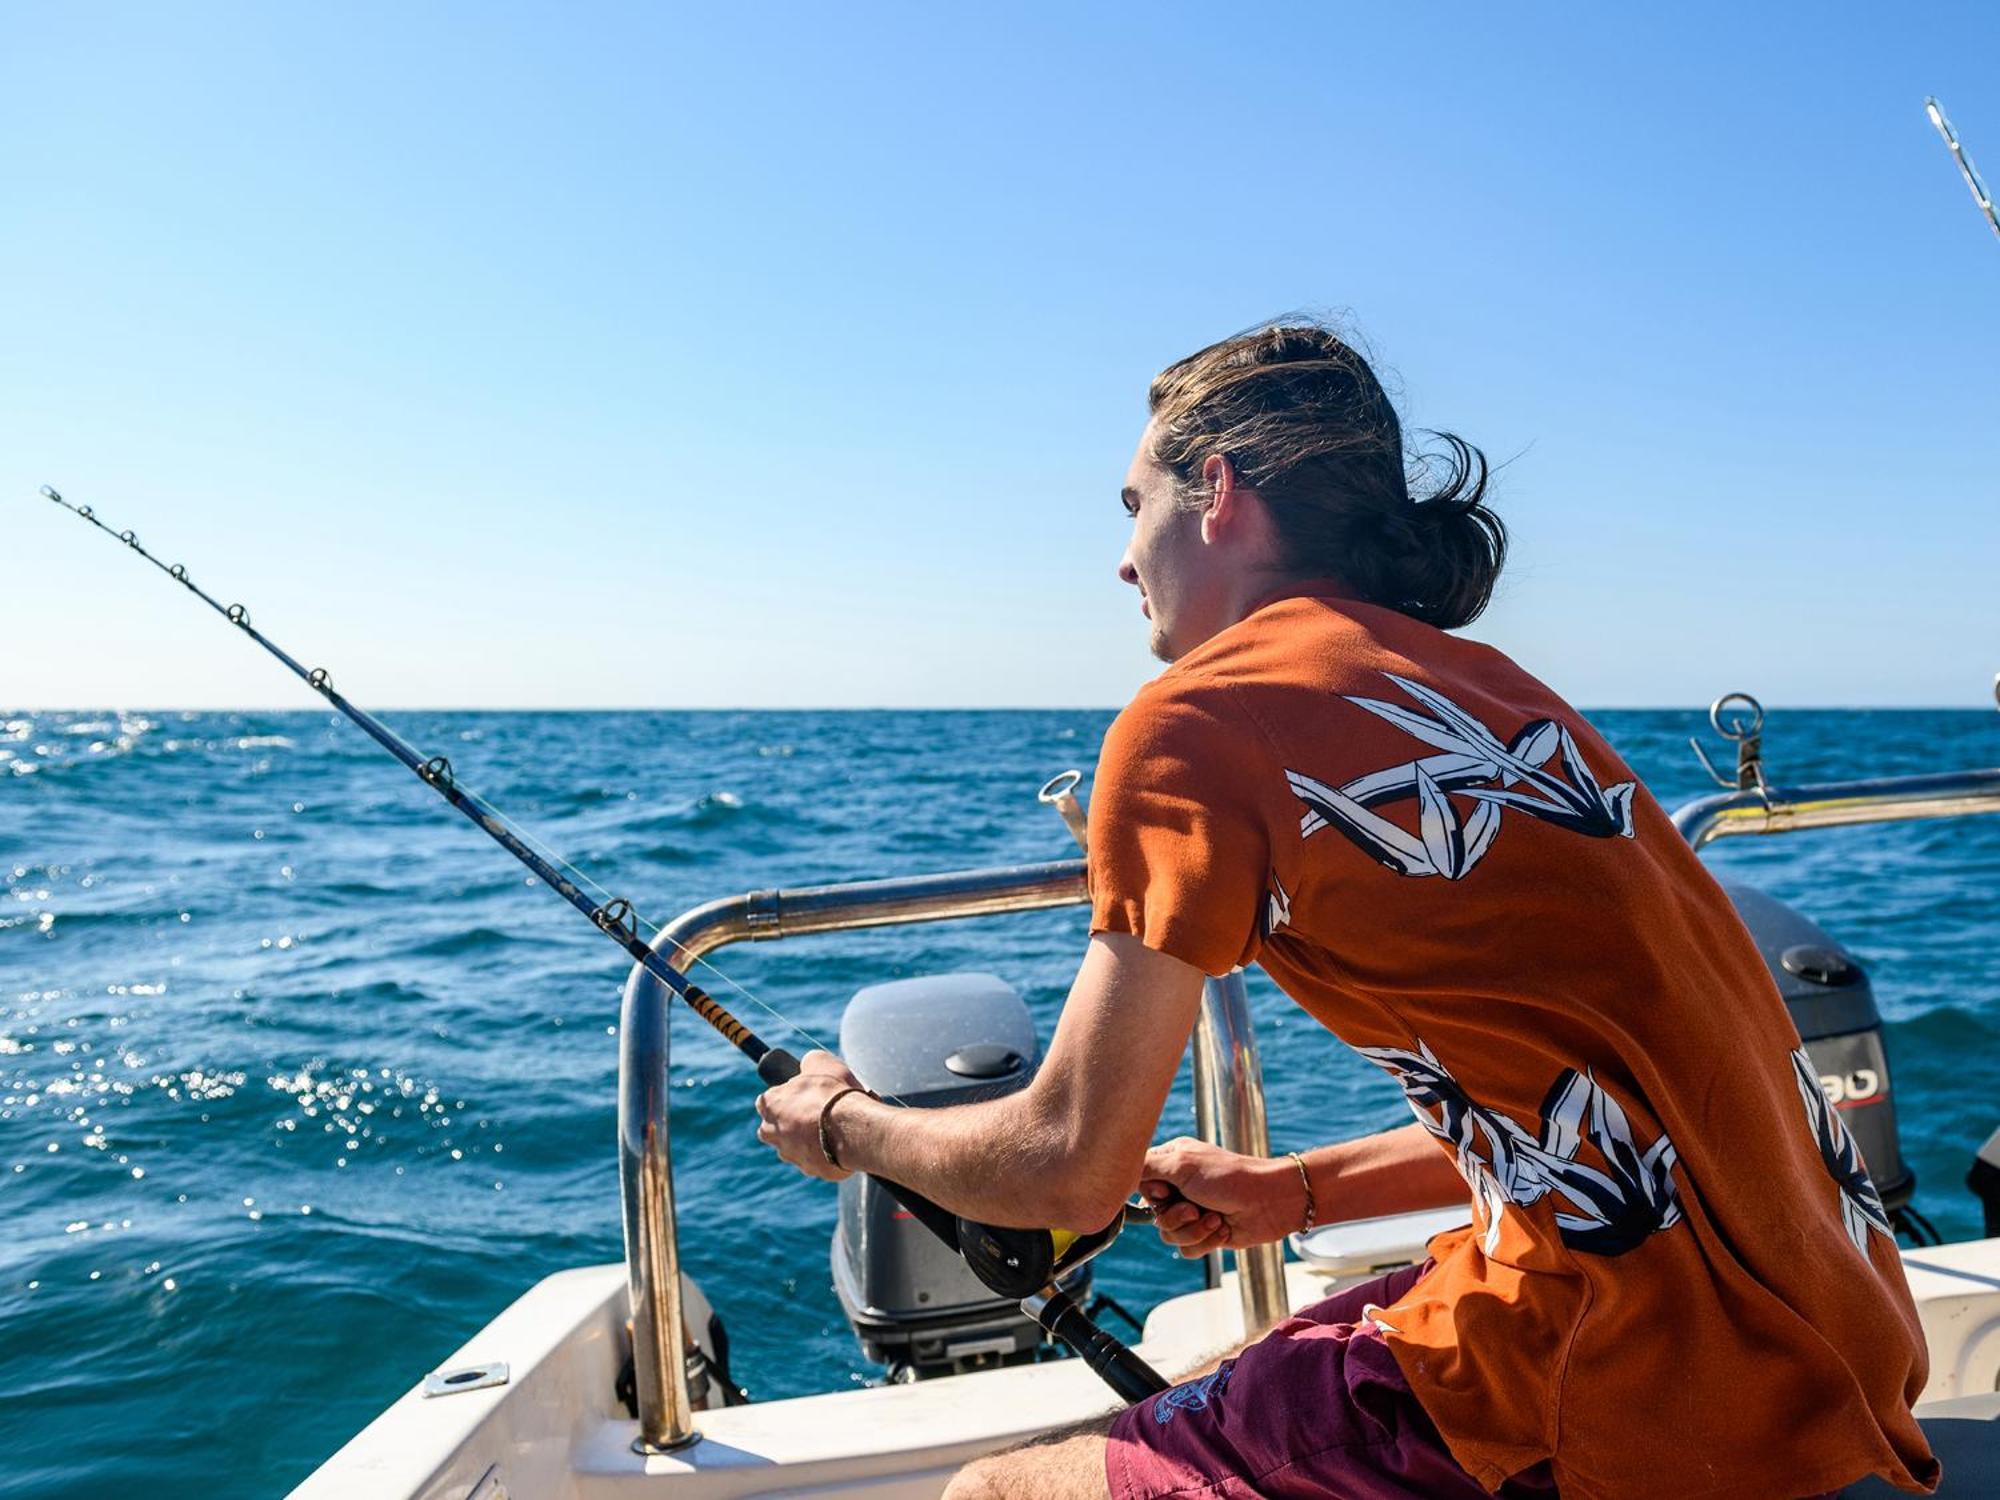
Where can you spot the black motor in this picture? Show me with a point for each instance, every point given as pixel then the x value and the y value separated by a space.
pixel 1833 1006
pixel 936 1040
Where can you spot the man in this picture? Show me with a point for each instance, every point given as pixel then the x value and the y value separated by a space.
pixel 1678 1279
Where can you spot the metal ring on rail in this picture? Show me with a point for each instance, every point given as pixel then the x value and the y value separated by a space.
pixel 437 771
pixel 1058 787
pixel 617 918
pixel 318 681
pixel 238 615
pixel 1742 724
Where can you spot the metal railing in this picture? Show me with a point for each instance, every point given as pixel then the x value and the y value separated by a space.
pixel 1229 1110
pixel 1229 1085
pixel 1832 804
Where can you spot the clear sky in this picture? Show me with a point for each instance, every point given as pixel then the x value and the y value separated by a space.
pixel 581 354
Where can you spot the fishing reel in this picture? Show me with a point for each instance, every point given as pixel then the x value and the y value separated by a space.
pixel 1018 1263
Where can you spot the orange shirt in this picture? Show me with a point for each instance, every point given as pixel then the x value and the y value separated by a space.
pixel 1678 1277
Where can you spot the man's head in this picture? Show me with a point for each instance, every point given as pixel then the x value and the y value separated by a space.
pixel 1274 457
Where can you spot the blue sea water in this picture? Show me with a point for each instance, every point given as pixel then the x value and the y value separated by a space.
pixel 302 1080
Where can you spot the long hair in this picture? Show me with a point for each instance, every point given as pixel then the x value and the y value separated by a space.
pixel 1303 421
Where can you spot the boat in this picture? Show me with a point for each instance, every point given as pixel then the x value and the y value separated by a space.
pixel 614 1380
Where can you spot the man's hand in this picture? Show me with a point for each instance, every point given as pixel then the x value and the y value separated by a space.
pixel 791 1112
pixel 1207 1199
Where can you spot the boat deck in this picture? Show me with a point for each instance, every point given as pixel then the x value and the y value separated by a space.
pixel 551 1430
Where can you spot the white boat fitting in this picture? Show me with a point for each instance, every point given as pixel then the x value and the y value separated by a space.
pixel 607 1381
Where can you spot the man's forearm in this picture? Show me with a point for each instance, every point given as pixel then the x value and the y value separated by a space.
pixel 1000 1162
pixel 1397 1171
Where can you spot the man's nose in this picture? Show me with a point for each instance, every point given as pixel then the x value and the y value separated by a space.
pixel 1127 572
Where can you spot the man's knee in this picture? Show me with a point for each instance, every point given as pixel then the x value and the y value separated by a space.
pixel 975 1482
pixel 1063 1465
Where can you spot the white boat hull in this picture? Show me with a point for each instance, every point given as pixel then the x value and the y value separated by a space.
pixel 554 1432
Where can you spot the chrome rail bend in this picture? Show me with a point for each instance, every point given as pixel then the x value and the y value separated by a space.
pixel 646 1191
pixel 1227 1073
pixel 1832 804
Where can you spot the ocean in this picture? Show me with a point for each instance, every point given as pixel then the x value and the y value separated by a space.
pixel 302 1079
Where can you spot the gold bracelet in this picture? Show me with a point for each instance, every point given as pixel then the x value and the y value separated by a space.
pixel 1305 1178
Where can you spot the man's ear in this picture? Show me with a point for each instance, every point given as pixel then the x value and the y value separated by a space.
pixel 1218 477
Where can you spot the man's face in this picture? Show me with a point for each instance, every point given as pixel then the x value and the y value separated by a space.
pixel 1182 590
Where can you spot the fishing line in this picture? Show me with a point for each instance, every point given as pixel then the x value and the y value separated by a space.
pixel 681 949
pixel 1025 1264
pixel 614 914
pixel 581 878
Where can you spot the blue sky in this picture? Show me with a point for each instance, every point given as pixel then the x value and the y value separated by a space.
pixel 792 354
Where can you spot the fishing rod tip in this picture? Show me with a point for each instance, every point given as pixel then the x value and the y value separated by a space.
pixel 52 493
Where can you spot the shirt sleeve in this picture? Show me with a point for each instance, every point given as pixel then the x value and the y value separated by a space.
pixel 1179 848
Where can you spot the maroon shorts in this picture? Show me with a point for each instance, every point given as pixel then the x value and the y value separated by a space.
pixel 1316 1408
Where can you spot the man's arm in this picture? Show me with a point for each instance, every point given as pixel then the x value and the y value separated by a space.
pixel 1396 1172
pixel 1063 1152
pixel 1210 1198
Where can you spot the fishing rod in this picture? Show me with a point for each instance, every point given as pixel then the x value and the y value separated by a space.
pixel 1022 1264
pixel 1965 167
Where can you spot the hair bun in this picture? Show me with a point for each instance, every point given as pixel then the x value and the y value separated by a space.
pixel 1453 576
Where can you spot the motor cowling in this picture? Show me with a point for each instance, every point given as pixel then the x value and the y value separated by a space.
pixel 1833 1005
pixel 927 1042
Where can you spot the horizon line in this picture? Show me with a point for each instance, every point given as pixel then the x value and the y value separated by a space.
pixel 871 708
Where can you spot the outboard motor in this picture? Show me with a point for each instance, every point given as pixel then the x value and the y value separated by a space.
pixel 1833 1006
pixel 937 1040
